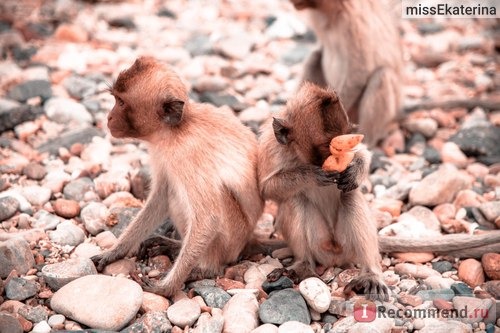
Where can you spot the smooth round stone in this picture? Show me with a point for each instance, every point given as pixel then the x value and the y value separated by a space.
pixel 316 293
pixel 184 312
pixel 99 301
pixel 59 274
pixel 214 297
pixel 284 305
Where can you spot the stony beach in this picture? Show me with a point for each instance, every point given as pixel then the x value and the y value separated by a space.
pixel 68 189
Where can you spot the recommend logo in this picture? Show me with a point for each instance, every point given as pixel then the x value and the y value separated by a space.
pixel 450 8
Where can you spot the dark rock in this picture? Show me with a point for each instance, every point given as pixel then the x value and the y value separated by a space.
pixel 34 171
pixel 23 54
pixel 199 45
pixel 121 217
pixel 165 12
pixel 35 314
pixel 151 322
pixel 18 115
pixel 15 254
pixel 214 297
pixel 67 139
pixel 378 161
pixel 479 141
pixel 75 190
pixel 218 99
pixel 493 287
pixel 284 305
pixel 80 87
pixel 429 27
pixel 9 324
pixel 8 207
pixel 432 155
pixel 5 26
pixel 461 289
pixel 26 90
pixel 415 139
pixel 140 183
pixel 296 55
pixel 122 22
pixel 442 266
pixel 430 295
pixel 20 289
pixel 36 30
pixel 280 284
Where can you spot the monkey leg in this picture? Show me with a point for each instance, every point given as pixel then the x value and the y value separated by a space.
pixel 159 245
pixel 150 217
pixel 194 246
pixel 357 235
pixel 378 105
pixel 313 70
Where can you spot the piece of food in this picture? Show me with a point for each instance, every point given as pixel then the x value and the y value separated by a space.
pixel 344 143
pixel 338 162
pixel 342 149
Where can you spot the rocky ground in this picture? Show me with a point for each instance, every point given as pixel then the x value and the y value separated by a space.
pixel 67 188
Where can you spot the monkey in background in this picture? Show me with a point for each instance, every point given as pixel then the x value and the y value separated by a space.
pixel 204 174
pixel 322 215
pixel 359 56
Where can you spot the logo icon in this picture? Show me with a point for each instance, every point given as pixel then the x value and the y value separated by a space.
pixel 365 311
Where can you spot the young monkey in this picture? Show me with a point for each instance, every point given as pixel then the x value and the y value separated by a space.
pixel 359 55
pixel 204 173
pixel 322 215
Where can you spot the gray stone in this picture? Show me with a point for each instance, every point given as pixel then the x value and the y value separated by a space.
pixel 284 305
pixel 26 90
pixel 63 110
pixel 210 324
pixel 34 314
pixel 45 220
pixel 15 254
pixel 82 300
pixel 76 189
pixel 8 207
pixel 461 289
pixel 80 87
pixel 283 282
pixel 67 139
pixel 442 266
pixel 9 323
pixel 430 295
pixel 220 99
pixel 123 216
pixel 67 233
pixel 214 297
pixel 94 217
pixel 12 117
pixel 35 171
pixel 151 322
pixel 59 274
pixel 20 289
pixel 478 140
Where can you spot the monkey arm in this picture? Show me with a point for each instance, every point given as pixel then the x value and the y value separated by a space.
pixel 151 216
pixel 459 245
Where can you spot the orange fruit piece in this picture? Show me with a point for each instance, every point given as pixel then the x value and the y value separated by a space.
pixel 344 143
pixel 338 162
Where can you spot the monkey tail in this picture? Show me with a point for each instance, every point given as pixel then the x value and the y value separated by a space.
pixel 457 245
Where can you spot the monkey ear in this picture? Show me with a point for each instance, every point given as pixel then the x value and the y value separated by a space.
pixel 173 111
pixel 281 131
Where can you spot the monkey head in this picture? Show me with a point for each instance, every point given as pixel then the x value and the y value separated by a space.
pixel 310 121
pixel 149 97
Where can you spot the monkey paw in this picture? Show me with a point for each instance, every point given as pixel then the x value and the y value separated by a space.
pixel 348 179
pixel 370 285
pixel 104 259
pixel 159 288
pixel 326 178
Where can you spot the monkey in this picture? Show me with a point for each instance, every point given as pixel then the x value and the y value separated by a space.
pixel 359 55
pixel 204 173
pixel 323 216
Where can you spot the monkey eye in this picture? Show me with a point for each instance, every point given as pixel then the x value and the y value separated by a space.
pixel 119 101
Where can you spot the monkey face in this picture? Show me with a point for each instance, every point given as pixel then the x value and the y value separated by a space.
pixel 311 120
pixel 303 4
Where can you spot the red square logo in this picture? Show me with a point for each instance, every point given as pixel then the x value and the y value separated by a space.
pixel 365 311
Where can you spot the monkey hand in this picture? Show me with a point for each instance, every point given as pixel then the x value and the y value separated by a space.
pixel 161 287
pixel 349 179
pixel 103 259
pixel 325 178
pixel 371 285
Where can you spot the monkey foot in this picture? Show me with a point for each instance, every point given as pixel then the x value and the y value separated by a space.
pixel 156 287
pixel 277 273
pixel 158 245
pixel 104 259
pixel 370 285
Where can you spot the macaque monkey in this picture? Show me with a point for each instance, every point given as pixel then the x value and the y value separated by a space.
pixel 322 215
pixel 359 55
pixel 204 173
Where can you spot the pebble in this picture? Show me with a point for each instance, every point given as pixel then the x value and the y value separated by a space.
pixel 438 282
pixel 41 327
pixel 8 207
pixel 432 325
pixel 45 220
pixel 284 305
pixel 442 266
pixel 66 208
pixel 20 289
pixel 241 313
pixel 430 295
pixel 439 187
pixel 426 216
pixel 295 327
pixel 471 272
pixel 111 182
pixel 151 322
pixel 26 90
pixel 214 297
pixel 414 257
pixel 76 189
pixel 82 301
pixel 490 210
pixel 122 266
pixel 15 254
pixel 378 325
pixel 64 110
pixel 210 324
pixel 106 239
pixel 152 302
pixel 56 321
pixel 425 126
pixel 35 171
pixel 491 265
pixel 67 233
pixel 316 294
pixel 34 314
pixel 464 303
pixel 184 312
pixel 416 271
pixel 266 328
pixel 94 217
pixel 255 275
pixel 36 195
pixel 59 274
pixel 461 289
pixel 80 87
pixel 282 283
pixel 451 153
